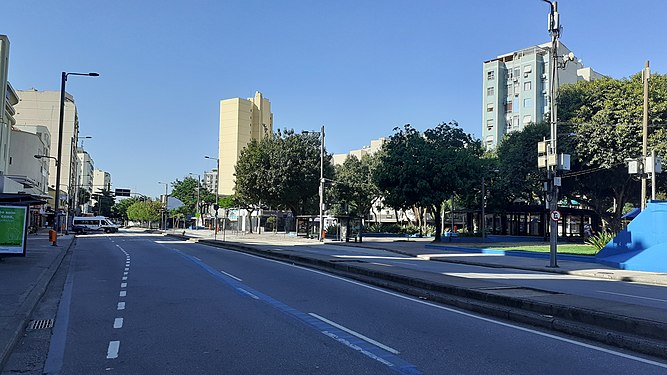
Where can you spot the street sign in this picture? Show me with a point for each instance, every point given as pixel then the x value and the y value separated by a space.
pixel 122 192
pixel 555 215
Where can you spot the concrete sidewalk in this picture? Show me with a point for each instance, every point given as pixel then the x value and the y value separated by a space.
pixel 638 328
pixel 24 280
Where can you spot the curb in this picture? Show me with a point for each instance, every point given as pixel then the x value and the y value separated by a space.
pixel 641 335
pixel 10 337
pixel 606 276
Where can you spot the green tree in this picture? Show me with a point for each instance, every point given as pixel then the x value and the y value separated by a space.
pixel 602 124
pixel 145 211
pixel 518 177
pixel 354 190
pixel 281 171
pixel 425 169
pixel 105 200
pixel 119 210
pixel 83 197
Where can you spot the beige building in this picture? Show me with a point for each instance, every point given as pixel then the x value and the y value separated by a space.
pixel 241 120
pixel 43 108
pixel 101 181
pixel 32 173
pixel 375 146
pixel 86 166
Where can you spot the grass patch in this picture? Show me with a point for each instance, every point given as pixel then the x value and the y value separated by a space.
pixel 562 249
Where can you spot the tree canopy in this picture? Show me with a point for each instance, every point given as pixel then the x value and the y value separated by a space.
pixel 600 124
pixel 425 169
pixel 354 190
pixel 147 210
pixel 281 171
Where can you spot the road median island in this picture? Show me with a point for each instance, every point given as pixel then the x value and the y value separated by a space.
pixel 642 329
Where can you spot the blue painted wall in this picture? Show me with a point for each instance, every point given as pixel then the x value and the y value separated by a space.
pixel 642 246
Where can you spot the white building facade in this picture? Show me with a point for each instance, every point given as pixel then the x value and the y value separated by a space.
pixel 515 89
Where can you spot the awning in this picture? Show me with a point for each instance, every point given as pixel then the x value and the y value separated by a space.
pixel 632 214
pixel 20 199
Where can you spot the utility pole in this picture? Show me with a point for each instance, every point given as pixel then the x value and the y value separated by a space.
pixel 552 151
pixel 646 73
pixel 320 237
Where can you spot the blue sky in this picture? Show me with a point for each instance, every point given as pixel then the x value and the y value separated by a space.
pixel 359 67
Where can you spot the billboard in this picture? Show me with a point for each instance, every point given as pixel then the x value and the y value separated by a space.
pixel 13 221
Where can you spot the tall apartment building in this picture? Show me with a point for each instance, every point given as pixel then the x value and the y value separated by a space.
pixel 86 166
pixel 6 116
pixel 101 181
pixel 43 108
pixel 210 180
pixel 241 120
pixel 516 89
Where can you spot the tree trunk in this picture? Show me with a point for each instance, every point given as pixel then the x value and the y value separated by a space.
pixel 437 210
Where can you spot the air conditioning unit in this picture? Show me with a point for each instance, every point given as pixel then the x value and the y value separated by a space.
pixel 544 75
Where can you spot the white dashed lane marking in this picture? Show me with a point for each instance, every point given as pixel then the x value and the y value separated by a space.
pixel 121 305
pixel 112 351
pixel 118 323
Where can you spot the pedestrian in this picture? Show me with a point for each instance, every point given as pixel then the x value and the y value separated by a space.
pixel 588 230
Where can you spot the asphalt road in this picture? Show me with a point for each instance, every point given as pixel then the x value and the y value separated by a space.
pixel 137 304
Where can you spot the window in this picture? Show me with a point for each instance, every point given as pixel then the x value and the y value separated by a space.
pixel 528 102
pixel 526 70
pixel 490 75
pixel 509 107
pixel 509 90
pixel 516 121
pixel 527 86
pixel 489 107
pixel 489 91
pixel 517 72
pixel 489 124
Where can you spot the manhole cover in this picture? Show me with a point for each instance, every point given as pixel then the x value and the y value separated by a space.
pixel 40 324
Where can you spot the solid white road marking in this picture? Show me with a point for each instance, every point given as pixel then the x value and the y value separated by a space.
pixel 118 323
pixel 630 295
pixel 248 293
pixel 196 258
pixel 112 352
pixel 121 305
pixel 354 333
pixel 230 275
pixel 470 315
pixel 123 285
pixel 122 293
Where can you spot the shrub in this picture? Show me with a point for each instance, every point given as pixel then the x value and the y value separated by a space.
pixel 410 229
pixel 392 228
pixel 373 228
pixel 599 240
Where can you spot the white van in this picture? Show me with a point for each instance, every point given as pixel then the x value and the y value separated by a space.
pixel 82 224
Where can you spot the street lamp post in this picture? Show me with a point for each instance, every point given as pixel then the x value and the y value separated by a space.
pixel 166 203
pixel 322 181
pixel 217 200
pixel 63 81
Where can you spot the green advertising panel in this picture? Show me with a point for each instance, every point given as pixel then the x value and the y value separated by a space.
pixel 12 230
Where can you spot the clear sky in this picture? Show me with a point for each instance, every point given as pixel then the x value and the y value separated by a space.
pixel 358 67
